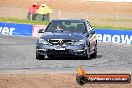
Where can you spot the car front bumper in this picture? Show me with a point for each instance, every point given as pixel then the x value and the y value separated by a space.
pixel 63 51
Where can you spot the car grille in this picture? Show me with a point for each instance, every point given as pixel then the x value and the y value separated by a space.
pixel 60 42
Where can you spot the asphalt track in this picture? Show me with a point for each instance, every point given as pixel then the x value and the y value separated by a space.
pixel 17 55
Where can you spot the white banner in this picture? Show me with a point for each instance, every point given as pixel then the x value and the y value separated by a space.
pixel 36 29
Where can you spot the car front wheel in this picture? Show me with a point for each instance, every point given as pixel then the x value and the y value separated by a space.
pixel 88 53
pixel 39 57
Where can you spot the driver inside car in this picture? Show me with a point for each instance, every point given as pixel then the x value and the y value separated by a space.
pixel 59 27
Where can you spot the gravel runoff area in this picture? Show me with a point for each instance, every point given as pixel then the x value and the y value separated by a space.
pixel 20 69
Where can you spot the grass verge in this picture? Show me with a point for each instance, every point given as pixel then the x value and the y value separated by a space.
pixel 110 27
pixel 23 21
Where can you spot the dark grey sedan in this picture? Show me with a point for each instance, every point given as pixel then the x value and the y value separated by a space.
pixel 67 38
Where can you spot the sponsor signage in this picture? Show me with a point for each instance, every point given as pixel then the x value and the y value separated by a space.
pixel 15 29
pixel 114 36
pixel 103 35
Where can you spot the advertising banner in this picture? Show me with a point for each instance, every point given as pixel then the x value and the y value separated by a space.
pixel 114 36
pixel 15 29
pixel 103 35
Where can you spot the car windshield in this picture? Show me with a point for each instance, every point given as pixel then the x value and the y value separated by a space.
pixel 66 26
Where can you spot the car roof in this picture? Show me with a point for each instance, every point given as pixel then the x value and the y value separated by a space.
pixel 80 20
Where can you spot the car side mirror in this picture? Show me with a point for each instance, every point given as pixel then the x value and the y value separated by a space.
pixel 41 31
pixel 92 32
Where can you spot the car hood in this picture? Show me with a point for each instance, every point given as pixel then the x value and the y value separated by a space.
pixel 63 35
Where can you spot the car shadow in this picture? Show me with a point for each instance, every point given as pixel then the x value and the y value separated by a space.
pixel 98 56
pixel 72 58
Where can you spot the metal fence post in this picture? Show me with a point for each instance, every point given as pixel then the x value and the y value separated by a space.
pixel 31 16
pixel 117 20
pixel 59 13
pixel 87 17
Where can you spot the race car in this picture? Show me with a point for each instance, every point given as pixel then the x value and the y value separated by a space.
pixel 67 37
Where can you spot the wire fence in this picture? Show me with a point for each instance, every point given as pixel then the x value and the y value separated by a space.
pixel 97 19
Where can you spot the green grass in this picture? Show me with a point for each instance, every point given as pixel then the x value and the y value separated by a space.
pixel 25 21
pixel 110 27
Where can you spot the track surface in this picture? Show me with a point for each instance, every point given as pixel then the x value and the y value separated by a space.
pixel 18 54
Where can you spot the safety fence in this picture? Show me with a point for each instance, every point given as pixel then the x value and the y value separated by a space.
pixel 103 35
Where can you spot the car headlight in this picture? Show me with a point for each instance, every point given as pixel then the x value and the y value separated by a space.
pixel 80 42
pixel 43 41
